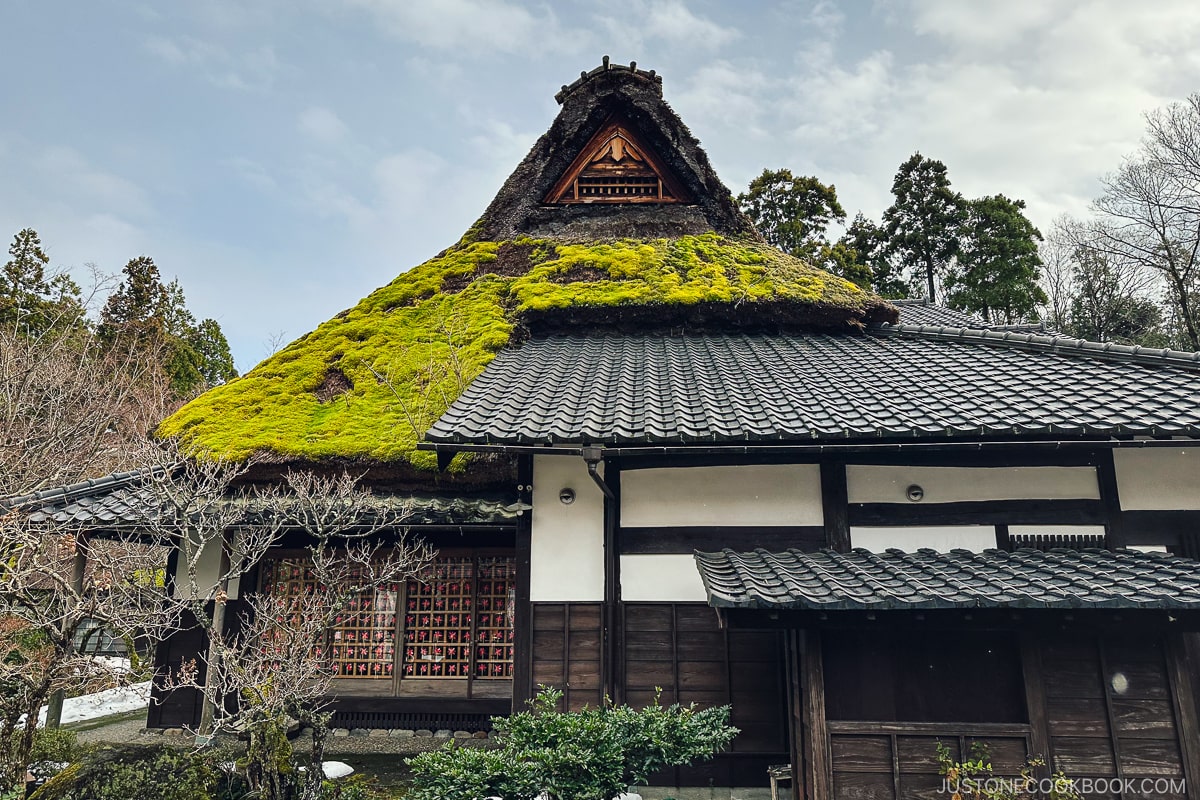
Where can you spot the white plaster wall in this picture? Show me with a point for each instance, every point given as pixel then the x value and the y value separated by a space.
pixel 767 494
pixel 671 577
pixel 888 484
pixel 940 538
pixel 1163 478
pixel 208 572
pixel 567 555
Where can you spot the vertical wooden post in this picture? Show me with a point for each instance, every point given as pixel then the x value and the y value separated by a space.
pixel 208 712
pixel 1035 703
pixel 523 619
pixel 611 648
pixel 1184 671
pixel 54 707
pixel 793 645
pixel 819 777
pixel 1110 497
pixel 834 505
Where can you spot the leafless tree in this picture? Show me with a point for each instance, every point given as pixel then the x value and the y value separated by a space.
pixel 276 667
pixel 1094 292
pixel 68 409
pixel 1057 251
pixel 56 581
pixel 1149 212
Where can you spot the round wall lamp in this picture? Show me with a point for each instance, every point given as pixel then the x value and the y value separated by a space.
pixel 566 496
pixel 915 493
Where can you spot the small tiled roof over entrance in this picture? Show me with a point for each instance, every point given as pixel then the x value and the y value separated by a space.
pixel 959 580
pixel 891 383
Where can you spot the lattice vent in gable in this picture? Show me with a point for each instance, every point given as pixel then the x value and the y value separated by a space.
pixel 616 167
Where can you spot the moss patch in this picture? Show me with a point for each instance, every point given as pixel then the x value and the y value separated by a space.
pixel 366 383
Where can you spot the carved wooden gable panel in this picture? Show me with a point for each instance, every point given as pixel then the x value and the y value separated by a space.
pixel 615 167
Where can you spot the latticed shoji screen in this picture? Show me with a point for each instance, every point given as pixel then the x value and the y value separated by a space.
pixel 458 620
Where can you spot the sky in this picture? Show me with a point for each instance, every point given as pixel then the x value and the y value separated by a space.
pixel 283 158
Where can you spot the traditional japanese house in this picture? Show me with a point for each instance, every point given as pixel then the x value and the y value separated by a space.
pixel 682 464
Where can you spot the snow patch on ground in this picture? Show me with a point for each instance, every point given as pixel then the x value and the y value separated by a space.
pixel 103 704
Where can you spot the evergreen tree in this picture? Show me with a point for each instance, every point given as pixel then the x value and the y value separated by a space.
pixel 869 244
pixel 136 307
pixel 922 224
pixel 792 212
pixel 997 270
pixel 32 301
pixel 216 361
pixel 146 314
pixel 843 260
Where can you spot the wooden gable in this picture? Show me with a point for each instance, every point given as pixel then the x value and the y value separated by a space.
pixel 616 167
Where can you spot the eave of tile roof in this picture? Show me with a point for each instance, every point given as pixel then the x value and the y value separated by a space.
pixel 64 494
pixel 959 580
pixel 119 502
pixel 1019 337
pixel 896 383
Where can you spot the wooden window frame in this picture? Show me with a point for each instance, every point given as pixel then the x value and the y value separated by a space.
pixel 395 685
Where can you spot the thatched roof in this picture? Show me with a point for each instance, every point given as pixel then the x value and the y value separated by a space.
pixel 366 384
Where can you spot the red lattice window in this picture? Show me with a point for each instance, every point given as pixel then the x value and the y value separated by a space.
pixel 362 641
pixel 458 620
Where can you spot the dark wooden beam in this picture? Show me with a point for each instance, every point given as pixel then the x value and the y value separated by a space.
pixel 1184 673
pixel 1159 527
pixel 793 644
pixel 817 760
pixel 834 505
pixel 523 617
pixel 1035 702
pixel 611 647
pixel 995 512
pixel 959 454
pixel 1110 496
pixel 679 540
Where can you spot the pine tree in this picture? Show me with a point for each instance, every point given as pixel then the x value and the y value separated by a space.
pixel 31 300
pixel 998 267
pixel 144 313
pixel 792 212
pixel 922 224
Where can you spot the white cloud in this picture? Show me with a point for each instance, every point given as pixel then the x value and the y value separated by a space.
pixel 253 173
pixel 253 69
pixel 988 24
pixel 672 21
pixel 82 185
pixel 468 27
pixel 323 125
pixel 642 26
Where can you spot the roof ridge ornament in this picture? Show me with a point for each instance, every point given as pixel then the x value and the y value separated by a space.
pixel 607 66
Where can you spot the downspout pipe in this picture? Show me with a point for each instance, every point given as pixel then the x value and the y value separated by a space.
pixel 593 456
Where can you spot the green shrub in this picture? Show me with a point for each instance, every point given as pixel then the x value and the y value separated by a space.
pixel 974 779
pixel 55 744
pixel 594 754
pixel 136 772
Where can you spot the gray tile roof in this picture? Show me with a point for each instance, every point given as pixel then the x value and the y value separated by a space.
pixel 121 501
pixel 893 383
pixel 922 312
pixel 927 580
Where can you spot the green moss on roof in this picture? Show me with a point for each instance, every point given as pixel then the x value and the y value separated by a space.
pixel 368 382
